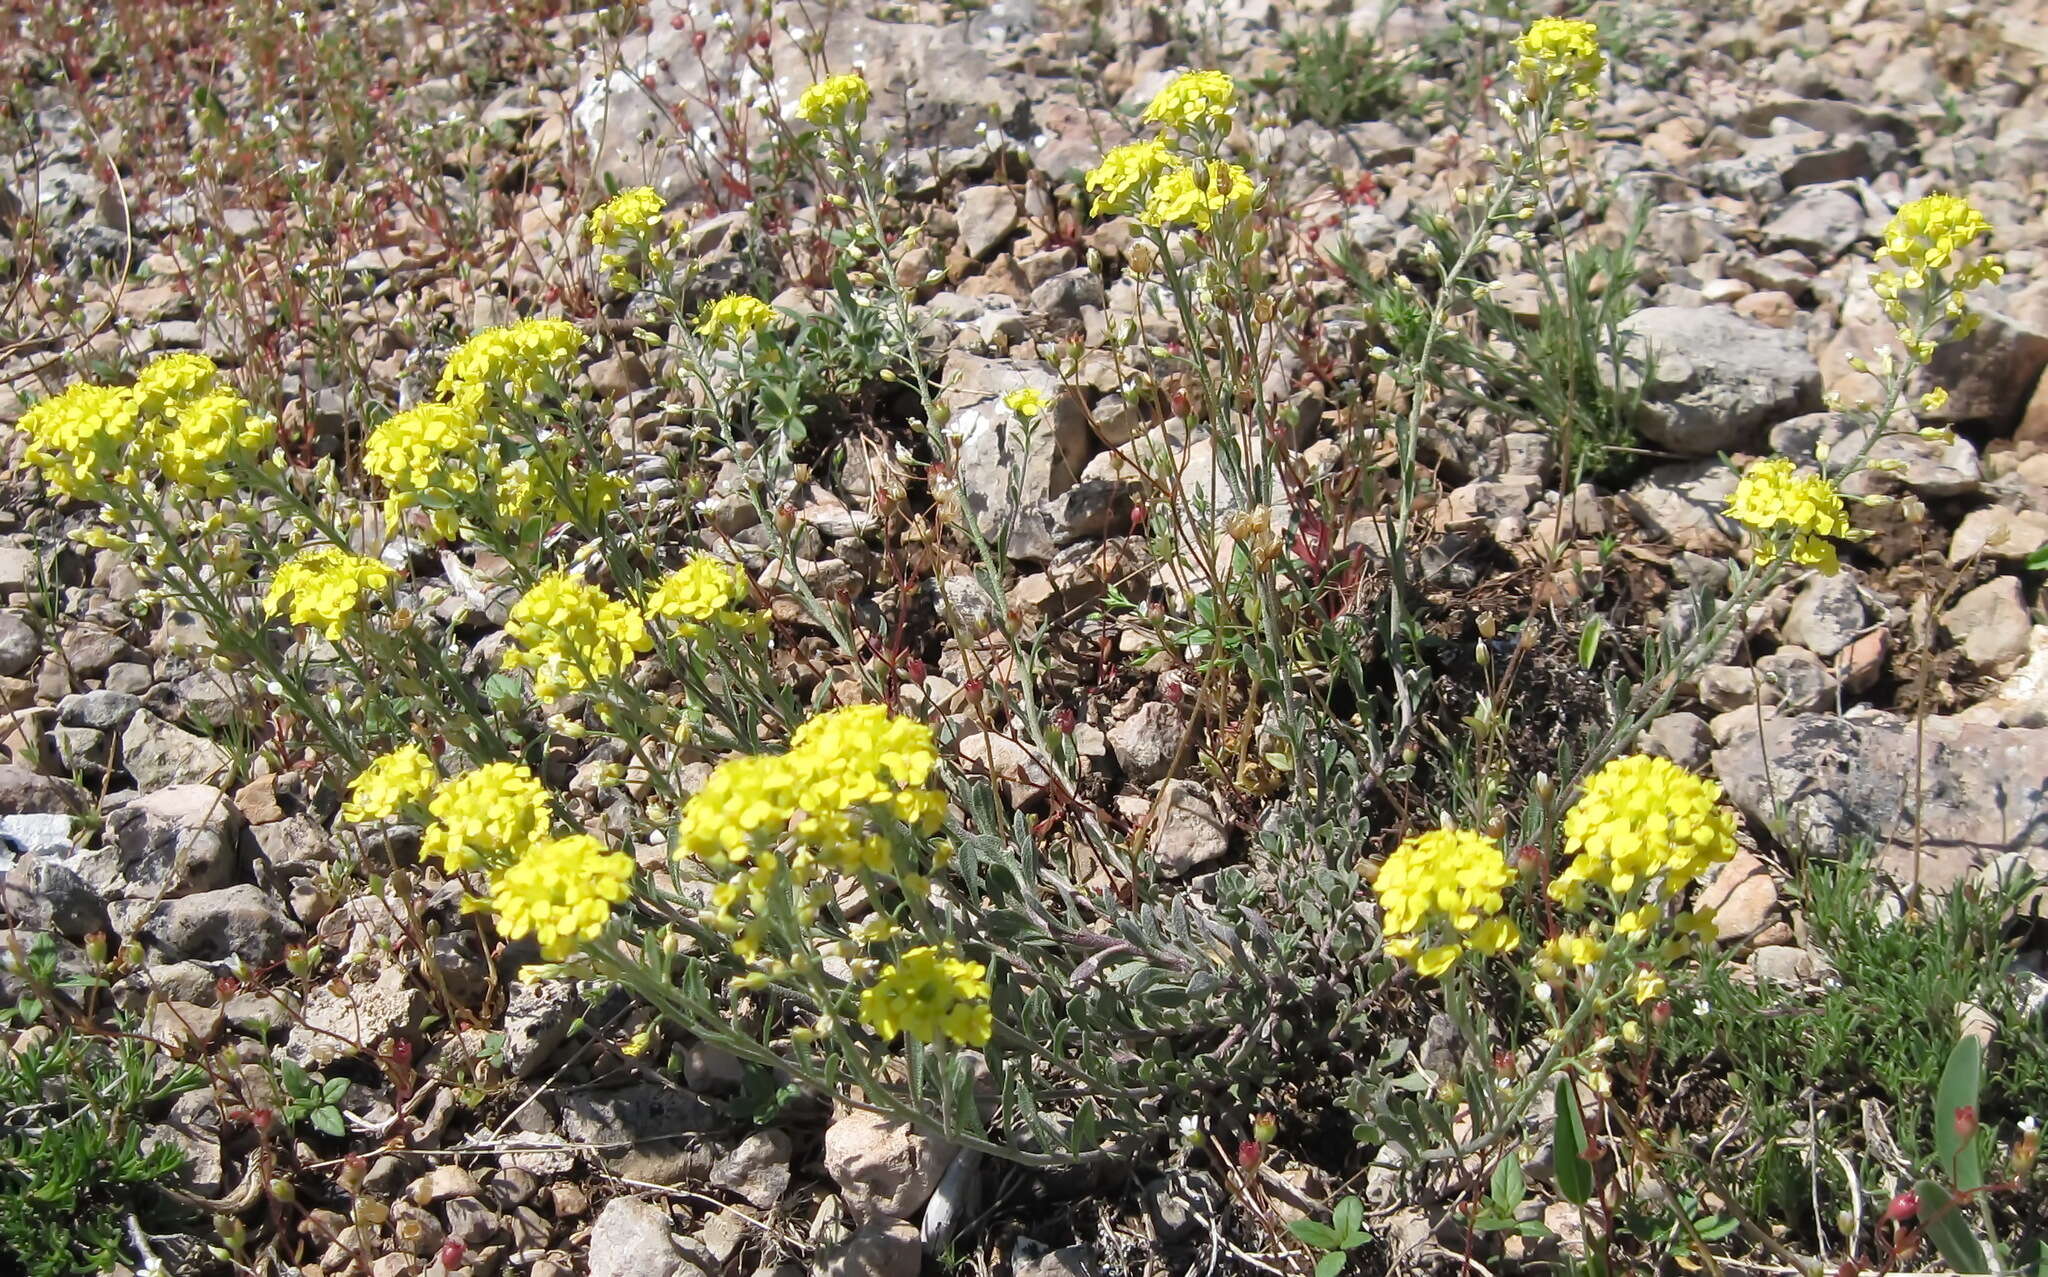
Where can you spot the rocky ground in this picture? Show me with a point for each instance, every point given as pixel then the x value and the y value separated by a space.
pixel 505 1125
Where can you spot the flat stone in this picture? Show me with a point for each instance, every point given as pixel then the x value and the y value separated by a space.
pixel 1716 381
pixel 1188 831
pixel 1939 797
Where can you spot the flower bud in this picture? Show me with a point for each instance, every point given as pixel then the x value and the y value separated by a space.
pixel 1905 1206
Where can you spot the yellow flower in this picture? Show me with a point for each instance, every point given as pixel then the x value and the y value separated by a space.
pixel 561 892
pixel 1195 195
pixel 731 320
pixel 486 817
pixel 1194 99
pixel 169 380
pixel 1647 985
pixel 1495 935
pixel 1450 874
pixel 513 362
pixel 1637 922
pixel 1026 401
pixel 325 586
pixel 84 438
pixel 1121 181
pixel 390 784
pixel 1560 51
pixel 838 99
pixel 426 455
pixel 625 216
pixel 1572 949
pixel 1642 822
pixel 932 995
pixel 571 635
pixel 1927 233
pixel 1797 510
pixel 704 589
pixel 209 433
pixel 1934 400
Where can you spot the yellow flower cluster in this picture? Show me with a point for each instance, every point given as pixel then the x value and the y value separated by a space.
pixel 497 817
pixel 844 768
pixel 571 635
pixel 1642 823
pixel 1559 52
pixel 390 784
pixel 703 592
pixel 561 892
pixel 1027 402
pixel 1450 878
pixel 1798 511
pixel 931 994
pixel 486 816
pixel 81 438
pixel 171 379
pixel 1163 188
pixel 731 320
pixel 512 362
pixel 427 456
pixel 1119 183
pixel 838 99
pixel 89 437
pixel 208 432
pixel 626 216
pixel 1194 99
pixel 1196 194
pixel 324 587
pixel 1925 239
pixel 629 221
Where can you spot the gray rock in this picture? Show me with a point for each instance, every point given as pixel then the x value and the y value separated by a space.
pixel 1068 1261
pixel 88 650
pixel 1743 894
pixel 24 792
pixel 757 1170
pixel 1988 375
pixel 642 1131
pixel 1826 615
pixel 1802 682
pixel 1823 223
pixel 1716 381
pixel 1974 791
pixel 1681 737
pixel 44 834
pixel 1067 294
pixel 1147 742
pixel 354 1020
pixel 1008 465
pixel 234 922
pixel 1991 623
pixel 1783 964
pixel 1188 831
pixel 537 1019
pixel 880 1248
pixel 884 1169
pixel 1999 533
pixel 634 1238
pixel 1685 505
pixel 20 645
pixel 157 755
pixel 173 842
pixel 988 216
pixel 102 710
pixel 41 894
pixel 83 752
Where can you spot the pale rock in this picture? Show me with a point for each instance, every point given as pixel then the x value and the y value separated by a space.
pixel 1147 742
pixel 1826 615
pixel 757 1170
pixel 880 1248
pixel 1992 624
pixel 1683 738
pixel 633 1238
pixel 159 755
pixel 356 1020
pixel 988 216
pixel 1188 831
pixel 1743 893
pixel 1716 381
pixel 883 1168
pixel 2000 533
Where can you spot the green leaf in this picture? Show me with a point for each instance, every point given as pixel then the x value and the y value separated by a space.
pixel 1331 1264
pixel 328 1119
pixel 1961 1080
pixel 1574 1172
pixel 1508 1187
pixel 1311 1233
pixel 1946 1224
pixel 1350 1213
pixel 1589 642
